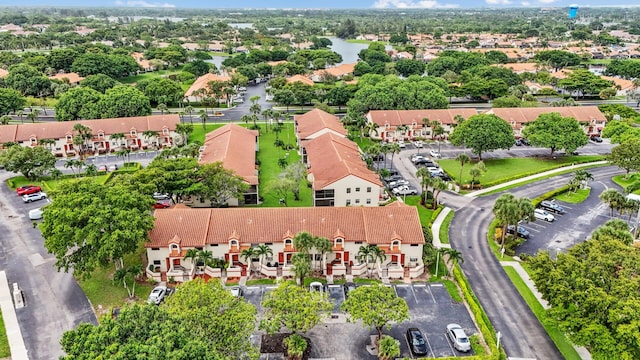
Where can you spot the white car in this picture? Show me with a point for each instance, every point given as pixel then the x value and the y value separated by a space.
pixel 34 197
pixel 157 295
pixel 543 215
pixel 458 337
pixel 36 214
pixel 415 157
pixel 404 190
pixel 402 144
pixel 398 183
pixel 435 154
pixel 316 286
pixel 418 144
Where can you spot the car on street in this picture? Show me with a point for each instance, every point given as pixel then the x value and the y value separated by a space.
pixel 418 144
pixel 113 167
pixel 404 190
pixel 417 344
pixel 316 286
pixel 458 337
pixel 402 144
pixel 236 291
pixel 522 232
pixel 34 197
pixel 596 138
pixel 348 287
pixel 157 295
pixel 397 183
pixel 543 215
pixel 519 142
pixel 415 157
pixel 28 189
pixel 435 154
pixel 552 206
pixel 424 161
pixel 161 196
pixel 35 214
pixel 393 178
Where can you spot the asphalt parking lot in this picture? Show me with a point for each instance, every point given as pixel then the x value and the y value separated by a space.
pixel 430 309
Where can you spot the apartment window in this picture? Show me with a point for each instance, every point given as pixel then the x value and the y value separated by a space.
pixel 358 242
pixel 156 262
pixel 348 202
pixel 414 245
pixel 357 201
pixel 155 249
pixel 413 259
pixel 165 131
pixel 368 201
pixel 100 135
pixel 69 138
pixel 368 189
pixel 133 132
pixel 198 248
pixel 348 190
pixel 358 189
pixel 214 245
pixel 268 244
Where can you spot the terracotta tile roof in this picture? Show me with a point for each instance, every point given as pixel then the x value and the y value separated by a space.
pixel 139 57
pixel 524 115
pixel 407 117
pixel 315 121
pixel 57 130
pixel 522 67
pixel 235 147
pixel 3 73
pixel 303 79
pixel 338 71
pixel 623 83
pixel 8 133
pixel 274 63
pixel 73 78
pixel 197 227
pixel 203 82
pixel 332 158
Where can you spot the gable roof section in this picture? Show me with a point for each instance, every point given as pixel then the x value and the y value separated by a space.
pixel 198 227
pixel 235 147
pixel 299 78
pixel 72 77
pixel 407 117
pixel 316 120
pixel 524 115
pixel 332 158
pixel 8 133
pixel 58 130
pixel 3 73
pixel 203 82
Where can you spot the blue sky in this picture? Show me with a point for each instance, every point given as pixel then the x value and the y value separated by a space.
pixel 389 4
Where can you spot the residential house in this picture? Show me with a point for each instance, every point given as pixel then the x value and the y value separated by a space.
pixel 315 123
pixel 622 86
pixel 72 78
pixel 300 78
pixel 62 134
pixel 592 119
pixel 336 71
pixel 202 83
pixel 142 62
pixel 235 147
pixel 226 232
pixel 394 125
pixel 338 175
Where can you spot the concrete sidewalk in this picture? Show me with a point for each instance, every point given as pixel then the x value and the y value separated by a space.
pixel 14 335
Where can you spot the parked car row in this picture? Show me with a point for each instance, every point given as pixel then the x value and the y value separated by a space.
pixel 543 212
pixel 455 333
pixel 399 186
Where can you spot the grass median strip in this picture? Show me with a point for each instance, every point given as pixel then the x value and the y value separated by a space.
pixel 5 351
pixel 574 197
pixel 444 228
pixel 556 335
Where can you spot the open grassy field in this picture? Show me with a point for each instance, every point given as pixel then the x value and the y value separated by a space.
pixel 424 213
pixel 502 170
pixel 558 337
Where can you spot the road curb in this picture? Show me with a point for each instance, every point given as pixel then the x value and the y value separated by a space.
pixel 435 228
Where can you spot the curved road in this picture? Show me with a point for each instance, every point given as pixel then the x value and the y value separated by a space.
pixel 522 334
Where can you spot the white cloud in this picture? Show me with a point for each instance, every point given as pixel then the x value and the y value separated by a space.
pixel 498 2
pixel 547 1
pixel 410 4
pixel 142 3
pixel 525 3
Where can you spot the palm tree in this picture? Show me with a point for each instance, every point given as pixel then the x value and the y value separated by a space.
pixel 296 345
pixel 394 149
pixel 123 154
pixel 189 110
pixel 583 177
pixel 263 251
pixel 425 182
pixel 202 114
pixel 371 254
pixel 92 170
pixel 476 171
pixel 438 185
pixel 205 257
pixel 323 246
pixel 247 255
pixel 147 134
pixel 377 254
pixel 193 255
pixel 33 115
pixel 72 164
pixel 303 242
pixel 505 209
pixel 20 114
pixel 613 198
pixel 301 266
pixel 117 137
pixel 462 159
pixel 184 130
pixel 454 256
pixel 4 120
pixel 128 274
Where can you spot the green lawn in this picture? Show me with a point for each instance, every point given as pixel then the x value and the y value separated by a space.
pixel 444 229
pixel 625 181
pixel 5 351
pixel 216 53
pixel 135 78
pixel 53 184
pixel 558 337
pixel 502 170
pixel 574 197
pixel 424 213
pixel 260 282
pixel 355 41
pixel 453 290
pixel 268 156
pixel 101 290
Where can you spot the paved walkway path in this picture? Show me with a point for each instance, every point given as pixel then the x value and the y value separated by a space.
pixel 14 335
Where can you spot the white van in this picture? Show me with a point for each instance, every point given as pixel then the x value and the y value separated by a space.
pixel 543 215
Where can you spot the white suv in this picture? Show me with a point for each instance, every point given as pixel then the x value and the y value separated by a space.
pixel 543 215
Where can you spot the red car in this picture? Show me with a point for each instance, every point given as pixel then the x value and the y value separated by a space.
pixel 28 189
pixel 162 204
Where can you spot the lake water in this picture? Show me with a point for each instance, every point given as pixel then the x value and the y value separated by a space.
pixel 349 52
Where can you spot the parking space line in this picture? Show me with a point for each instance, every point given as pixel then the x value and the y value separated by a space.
pixel 433 354
pixel 449 343
pixel 431 293
pixel 253 287
pixel 414 294
pixel 408 346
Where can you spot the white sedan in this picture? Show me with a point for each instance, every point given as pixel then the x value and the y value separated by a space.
pixel 435 154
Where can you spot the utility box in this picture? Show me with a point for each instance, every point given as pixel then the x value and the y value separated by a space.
pixel 18 298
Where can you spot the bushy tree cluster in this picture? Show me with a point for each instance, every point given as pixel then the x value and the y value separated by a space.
pixel 86 103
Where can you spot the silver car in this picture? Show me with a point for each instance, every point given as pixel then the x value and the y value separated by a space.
pixel 34 197
pixel 157 295
pixel 458 337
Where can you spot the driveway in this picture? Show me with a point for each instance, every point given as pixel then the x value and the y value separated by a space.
pixel 54 301
pixel 522 334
